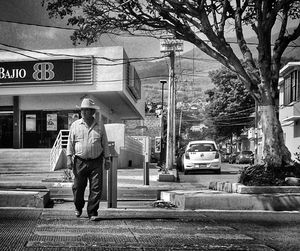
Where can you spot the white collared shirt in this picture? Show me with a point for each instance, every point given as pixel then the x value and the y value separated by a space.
pixel 87 142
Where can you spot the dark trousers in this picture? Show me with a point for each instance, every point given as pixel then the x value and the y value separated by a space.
pixel 92 171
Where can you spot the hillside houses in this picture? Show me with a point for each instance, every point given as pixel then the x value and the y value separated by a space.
pixel 289 115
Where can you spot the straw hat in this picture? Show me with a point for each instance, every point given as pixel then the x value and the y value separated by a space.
pixel 88 104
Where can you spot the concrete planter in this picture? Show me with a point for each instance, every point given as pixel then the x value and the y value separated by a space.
pixel 242 189
pixel 167 177
pixel 235 196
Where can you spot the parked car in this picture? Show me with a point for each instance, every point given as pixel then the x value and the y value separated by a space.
pixel 225 157
pixel 201 155
pixel 245 157
pixel 232 157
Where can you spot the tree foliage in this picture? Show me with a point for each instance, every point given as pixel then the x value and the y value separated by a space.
pixel 205 23
pixel 230 105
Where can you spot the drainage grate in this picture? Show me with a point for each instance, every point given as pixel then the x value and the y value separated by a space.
pixel 61 246
pixel 52 233
pixel 16 225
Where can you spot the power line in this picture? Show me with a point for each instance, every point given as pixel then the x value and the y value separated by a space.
pixel 238 112
pixel 129 35
pixel 217 120
pixel 79 56
pixel 38 25
pixel 130 60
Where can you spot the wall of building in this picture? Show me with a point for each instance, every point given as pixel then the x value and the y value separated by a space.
pixel 108 74
pixel 288 112
pixel 106 83
pixel 128 156
pixel 6 101
pixel 150 126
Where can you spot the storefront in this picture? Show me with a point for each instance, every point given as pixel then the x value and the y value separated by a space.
pixel 41 127
pixel 6 127
pixel 40 93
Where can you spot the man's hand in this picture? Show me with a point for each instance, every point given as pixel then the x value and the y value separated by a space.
pixel 69 176
pixel 107 163
pixel 70 162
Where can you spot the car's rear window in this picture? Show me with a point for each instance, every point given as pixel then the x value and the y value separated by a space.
pixel 203 147
pixel 246 152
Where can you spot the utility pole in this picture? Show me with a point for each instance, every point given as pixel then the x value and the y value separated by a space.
pixel 170 45
pixel 171 114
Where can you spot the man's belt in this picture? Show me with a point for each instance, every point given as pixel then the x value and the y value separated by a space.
pixel 88 159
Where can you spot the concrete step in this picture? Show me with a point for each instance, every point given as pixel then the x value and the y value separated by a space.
pixel 30 169
pixel 24 198
pixel 24 164
pixel 24 160
pixel 17 153
pixel 63 191
pixel 209 199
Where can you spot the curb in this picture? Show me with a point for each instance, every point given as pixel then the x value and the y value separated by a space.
pixel 210 199
pixel 242 189
pixel 175 214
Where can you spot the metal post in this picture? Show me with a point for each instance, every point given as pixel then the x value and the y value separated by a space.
pixel 162 147
pixel 179 128
pixel 174 114
pixel 146 173
pixel 112 184
pixel 256 134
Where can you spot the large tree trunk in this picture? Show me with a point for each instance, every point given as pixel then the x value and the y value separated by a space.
pixel 275 153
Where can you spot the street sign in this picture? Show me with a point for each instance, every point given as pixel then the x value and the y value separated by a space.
pixel 170 44
pixel 157 147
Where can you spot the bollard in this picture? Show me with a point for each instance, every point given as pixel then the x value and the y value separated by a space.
pixel 112 184
pixel 146 173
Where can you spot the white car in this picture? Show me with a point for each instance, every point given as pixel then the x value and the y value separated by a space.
pixel 201 155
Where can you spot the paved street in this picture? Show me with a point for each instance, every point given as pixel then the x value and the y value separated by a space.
pixel 229 172
pixel 48 229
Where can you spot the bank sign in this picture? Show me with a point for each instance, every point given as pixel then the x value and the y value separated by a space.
pixel 28 72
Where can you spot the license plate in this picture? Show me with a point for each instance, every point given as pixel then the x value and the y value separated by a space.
pixel 200 166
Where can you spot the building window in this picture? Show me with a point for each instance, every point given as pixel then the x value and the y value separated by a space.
pixel 291 88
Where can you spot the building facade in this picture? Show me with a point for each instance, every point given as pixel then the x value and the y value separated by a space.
pixel 289 105
pixel 41 91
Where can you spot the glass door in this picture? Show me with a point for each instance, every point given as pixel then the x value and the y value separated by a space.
pixel 6 129
pixel 32 126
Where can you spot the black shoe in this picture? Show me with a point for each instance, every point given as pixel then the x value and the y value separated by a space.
pixel 93 217
pixel 78 213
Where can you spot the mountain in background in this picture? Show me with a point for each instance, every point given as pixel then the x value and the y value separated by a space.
pixel 192 72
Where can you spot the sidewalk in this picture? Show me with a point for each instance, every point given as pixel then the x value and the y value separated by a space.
pixel 147 229
pixel 136 225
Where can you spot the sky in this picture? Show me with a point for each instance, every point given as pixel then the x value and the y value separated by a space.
pixel 40 36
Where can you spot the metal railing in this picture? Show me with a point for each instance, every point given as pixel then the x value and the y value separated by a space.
pixel 59 144
pixel 133 145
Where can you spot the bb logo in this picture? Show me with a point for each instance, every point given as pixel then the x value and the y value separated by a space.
pixel 43 71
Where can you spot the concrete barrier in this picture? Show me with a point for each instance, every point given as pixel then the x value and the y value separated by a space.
pixel 240 188
pixel 37 199
pixel 208 199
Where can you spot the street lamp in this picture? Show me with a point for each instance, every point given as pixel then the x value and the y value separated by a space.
pixel 162 145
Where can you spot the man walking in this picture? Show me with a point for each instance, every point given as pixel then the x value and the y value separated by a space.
pixel 87 148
